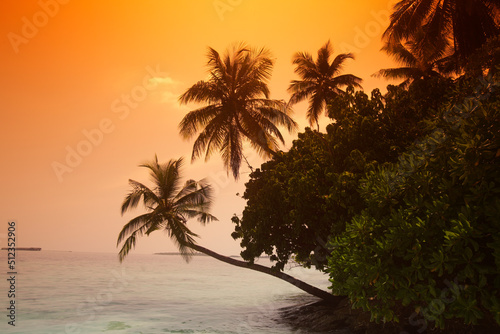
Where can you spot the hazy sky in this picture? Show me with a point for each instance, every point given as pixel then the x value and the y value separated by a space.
pixel 89 90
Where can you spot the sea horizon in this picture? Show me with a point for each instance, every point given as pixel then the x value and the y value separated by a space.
pixel 86 292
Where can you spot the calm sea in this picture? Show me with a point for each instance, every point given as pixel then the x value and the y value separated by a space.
pixel 67 292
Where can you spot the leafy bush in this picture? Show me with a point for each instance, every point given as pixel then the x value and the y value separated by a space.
pixel 297 200
pixel 428 238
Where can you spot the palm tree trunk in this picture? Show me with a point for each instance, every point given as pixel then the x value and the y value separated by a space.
pixel 326 296
pixel 248 164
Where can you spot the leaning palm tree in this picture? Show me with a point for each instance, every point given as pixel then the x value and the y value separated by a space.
pixel 169 206
pixel 467 23
pixel 237 107
pixel 320 81
pixel 417 62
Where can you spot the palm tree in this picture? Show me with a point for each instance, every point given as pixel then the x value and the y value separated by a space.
pixel 320 81
pixel 467 23
pixel 237 107
pixel 170 205
pixel 418 62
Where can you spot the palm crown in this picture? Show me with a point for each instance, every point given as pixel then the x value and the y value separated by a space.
pixel 237 107
pixel 169 206
pixel 419 58
pixel 320 81
pixel 466 23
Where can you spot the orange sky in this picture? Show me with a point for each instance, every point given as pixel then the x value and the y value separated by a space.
pixel 70 67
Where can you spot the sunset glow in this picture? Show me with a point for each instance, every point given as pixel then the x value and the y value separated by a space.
pixel 90 89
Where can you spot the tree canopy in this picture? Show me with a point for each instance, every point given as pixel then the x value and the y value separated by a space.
pixel 297 199
pixel 430 221
pixel 405 188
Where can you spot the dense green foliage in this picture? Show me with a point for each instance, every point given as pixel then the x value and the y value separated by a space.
pixel 406 188
pixel 431 218
pixel 296 200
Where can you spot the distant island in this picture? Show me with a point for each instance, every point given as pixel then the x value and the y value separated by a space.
pixel 33 249
pixel 174 253
pixel 201 254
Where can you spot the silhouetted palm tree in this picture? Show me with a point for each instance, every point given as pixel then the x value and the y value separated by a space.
pixel 320 81
pixel 419 61
pixel 170 205
pixel 237 107
pixel 467 23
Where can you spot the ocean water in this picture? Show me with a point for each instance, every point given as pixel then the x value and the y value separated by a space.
pixel 68 292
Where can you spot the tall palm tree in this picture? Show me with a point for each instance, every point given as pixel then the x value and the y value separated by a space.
pixel 237 107
pixel 169 206
pixel 320 81
pixel 418 62
pixel 467 23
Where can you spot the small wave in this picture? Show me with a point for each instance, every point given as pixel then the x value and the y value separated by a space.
pixel 116 326
pixel 195 331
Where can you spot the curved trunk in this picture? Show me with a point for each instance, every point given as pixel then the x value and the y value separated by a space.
pixel 326 296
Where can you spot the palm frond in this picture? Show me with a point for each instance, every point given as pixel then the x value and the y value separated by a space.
pixel 260 130
pixel 127 246
pixel 305 66
pixel 252 89
pixel 408 16
pixel 323 60
pixel 400 53
pixel 211 138
pixel 345 80
pixel 257 66
pixel 168 210
pixel 169 183
pixel 215 63
pixel 301 90
pixel 189 187
pixel 131 240
pixel 196 119
pixel 141 222
pixel 467 25
pixel 194 194
pixel 202 91
pixel 194 201
pixel 400 73
pixel 319 80
pixel 316 105
pixel 181 236
pixel 337 64
pixel 277 112
pixel 133 198
pixel 201 215
pixel 232 150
